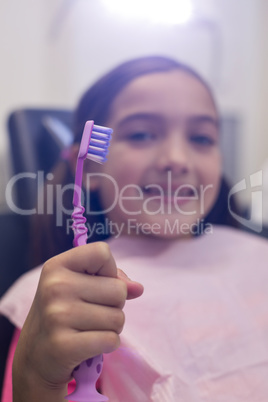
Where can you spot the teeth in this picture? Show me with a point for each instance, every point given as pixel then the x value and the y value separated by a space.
pixel 152 190
pixel 184 192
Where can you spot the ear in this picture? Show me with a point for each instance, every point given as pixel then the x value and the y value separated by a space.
pixel 89 166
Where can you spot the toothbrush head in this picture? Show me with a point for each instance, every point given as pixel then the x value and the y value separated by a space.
pixel 95 142
pixel 94 146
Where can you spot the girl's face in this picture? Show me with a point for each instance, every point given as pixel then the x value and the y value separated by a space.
pixel 164 166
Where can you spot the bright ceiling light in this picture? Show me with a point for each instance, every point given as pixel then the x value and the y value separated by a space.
pixel 158 11
pixel 171 11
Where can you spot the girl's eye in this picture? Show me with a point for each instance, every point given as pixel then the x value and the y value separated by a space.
pixel 141 137
pixel 202 139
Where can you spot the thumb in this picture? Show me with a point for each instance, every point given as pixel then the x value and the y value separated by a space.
pixel 134 289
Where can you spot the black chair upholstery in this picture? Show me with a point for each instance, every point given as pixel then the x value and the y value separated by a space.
pixel 36 136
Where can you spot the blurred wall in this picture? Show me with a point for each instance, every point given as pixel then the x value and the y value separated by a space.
pixel 52 50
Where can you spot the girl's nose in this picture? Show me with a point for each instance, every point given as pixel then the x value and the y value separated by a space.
pixel 174 154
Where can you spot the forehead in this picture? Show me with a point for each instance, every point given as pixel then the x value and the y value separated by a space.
pixel 172 93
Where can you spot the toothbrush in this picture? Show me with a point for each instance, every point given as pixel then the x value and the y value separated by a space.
pixel 94 146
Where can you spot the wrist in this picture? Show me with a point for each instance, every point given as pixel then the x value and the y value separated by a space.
pixel 29 386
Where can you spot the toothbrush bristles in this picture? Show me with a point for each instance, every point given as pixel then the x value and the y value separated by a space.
pixel 99 143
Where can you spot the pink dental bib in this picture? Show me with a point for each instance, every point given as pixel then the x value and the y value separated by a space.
pixel 199 333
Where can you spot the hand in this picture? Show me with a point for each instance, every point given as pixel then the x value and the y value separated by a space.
pixel 76 314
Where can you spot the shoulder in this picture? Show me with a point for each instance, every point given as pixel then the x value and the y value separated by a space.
pixel 234 237
pixel 238 248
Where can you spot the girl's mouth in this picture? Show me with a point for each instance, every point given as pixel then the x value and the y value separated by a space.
pixel 179 194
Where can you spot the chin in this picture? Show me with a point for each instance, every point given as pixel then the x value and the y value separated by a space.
pixel 166 226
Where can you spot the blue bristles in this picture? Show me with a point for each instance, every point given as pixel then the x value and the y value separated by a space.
pixel 99 143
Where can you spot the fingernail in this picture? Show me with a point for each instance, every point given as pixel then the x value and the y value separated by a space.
pixel 123 275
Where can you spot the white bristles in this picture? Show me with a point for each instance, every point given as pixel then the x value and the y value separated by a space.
pixel 99 143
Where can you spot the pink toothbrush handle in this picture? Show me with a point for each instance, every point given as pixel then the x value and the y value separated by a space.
pixel 86 376
pixel 79 228
pixel 88 372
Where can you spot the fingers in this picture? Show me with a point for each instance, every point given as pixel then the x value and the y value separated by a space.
pixel 94 259
pixel 85 317
pixel 134 289
pixel 99 342
pixel 68 286
pixel 80 346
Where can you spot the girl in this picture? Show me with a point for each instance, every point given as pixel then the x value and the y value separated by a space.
pixel 199 331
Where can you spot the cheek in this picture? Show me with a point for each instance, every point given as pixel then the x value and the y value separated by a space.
pixel 126 166
pixel 210 168
pixel 210 173
pixel 122 174
pixel 212 176
pixel 120 179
